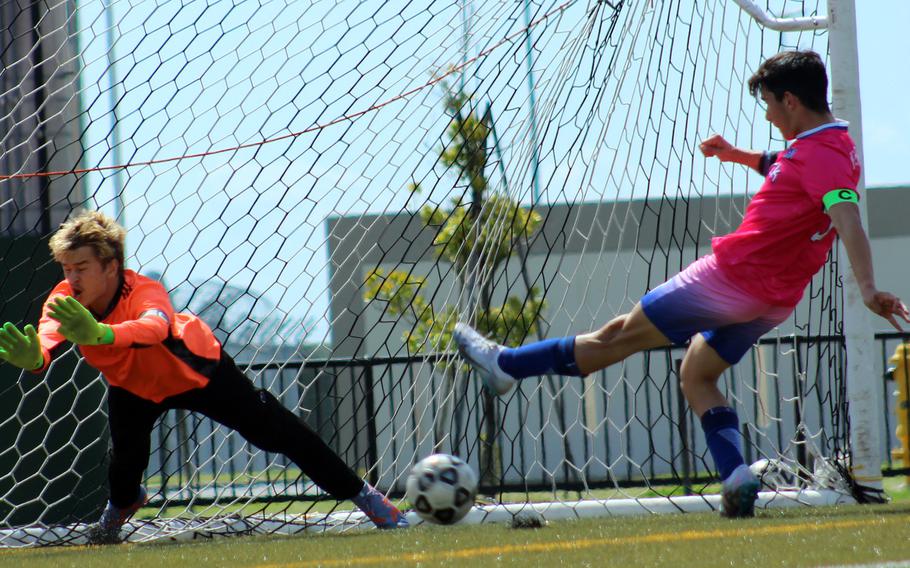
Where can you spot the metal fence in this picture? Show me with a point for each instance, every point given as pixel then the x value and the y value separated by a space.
pixel 625 426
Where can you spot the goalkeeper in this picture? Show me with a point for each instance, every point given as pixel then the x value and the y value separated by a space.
pixel 155 360
pixel 724 302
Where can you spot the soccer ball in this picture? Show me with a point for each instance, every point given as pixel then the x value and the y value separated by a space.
pixel 441 488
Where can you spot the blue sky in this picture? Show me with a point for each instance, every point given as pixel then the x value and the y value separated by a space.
pixel 198 76
pixel 884 85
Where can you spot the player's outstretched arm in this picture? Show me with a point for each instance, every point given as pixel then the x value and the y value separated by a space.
pixel 77 324
pixel 21 349
pixel 847 221
pixel 715 146
pixel 889 307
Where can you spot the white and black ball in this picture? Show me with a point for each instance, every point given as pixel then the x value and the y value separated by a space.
pixel 441 488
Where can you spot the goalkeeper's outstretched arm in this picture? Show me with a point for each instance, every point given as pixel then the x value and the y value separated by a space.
pixel 21 349
pixel 64 318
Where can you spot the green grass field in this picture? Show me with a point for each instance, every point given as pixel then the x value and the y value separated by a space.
pixel 831 536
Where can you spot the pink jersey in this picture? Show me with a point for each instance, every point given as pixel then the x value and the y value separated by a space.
pixel 785 235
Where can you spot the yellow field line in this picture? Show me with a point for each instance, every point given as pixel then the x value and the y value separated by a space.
pixel 45 549
pixel 579 544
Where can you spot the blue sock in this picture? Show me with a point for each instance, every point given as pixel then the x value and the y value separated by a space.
pixel 725 442
pixel 547 356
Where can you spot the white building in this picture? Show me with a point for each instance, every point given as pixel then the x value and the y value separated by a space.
pixel 595 260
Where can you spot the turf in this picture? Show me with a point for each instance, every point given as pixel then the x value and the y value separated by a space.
pixel 802 537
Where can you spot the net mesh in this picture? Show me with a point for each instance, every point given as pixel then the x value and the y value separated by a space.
pixel 331 186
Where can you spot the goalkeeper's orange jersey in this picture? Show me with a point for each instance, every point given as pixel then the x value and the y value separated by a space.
pixel 156 353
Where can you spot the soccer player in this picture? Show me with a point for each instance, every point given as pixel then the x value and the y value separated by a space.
pixel 725 301
pixel 155 360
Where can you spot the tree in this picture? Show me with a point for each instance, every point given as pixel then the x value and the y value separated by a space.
pixel 477 236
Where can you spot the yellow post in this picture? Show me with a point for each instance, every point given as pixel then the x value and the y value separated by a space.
pixel 900 362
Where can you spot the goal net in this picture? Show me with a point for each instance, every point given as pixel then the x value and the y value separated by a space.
pixel 332 185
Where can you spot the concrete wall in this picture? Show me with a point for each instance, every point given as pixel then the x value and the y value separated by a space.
pixel 595 260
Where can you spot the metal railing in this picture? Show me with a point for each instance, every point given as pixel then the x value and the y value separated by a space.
pixel 627 426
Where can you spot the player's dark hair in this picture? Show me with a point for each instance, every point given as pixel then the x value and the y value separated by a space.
pixel 93 229
pixel 800 72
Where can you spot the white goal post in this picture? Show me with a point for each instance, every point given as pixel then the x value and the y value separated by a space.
pixel 865 421
pixel 865 418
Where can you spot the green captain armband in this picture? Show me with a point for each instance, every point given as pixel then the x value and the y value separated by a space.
pixel 839 196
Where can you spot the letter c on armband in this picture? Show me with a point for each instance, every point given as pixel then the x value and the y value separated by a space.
pixel 839 196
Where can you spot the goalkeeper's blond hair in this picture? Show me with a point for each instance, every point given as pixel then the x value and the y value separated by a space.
pixel 93 229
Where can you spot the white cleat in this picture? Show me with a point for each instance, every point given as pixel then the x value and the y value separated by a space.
pixel 483 355
pixel 740 491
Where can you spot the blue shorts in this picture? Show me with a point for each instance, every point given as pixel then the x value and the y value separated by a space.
pixel 701 299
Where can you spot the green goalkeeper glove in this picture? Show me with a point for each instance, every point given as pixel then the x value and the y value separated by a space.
pixel 77 324
pixel 21 350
